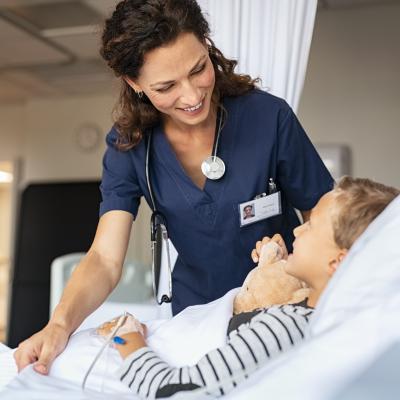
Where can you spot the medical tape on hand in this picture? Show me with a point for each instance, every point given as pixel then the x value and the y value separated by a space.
pixel 130 325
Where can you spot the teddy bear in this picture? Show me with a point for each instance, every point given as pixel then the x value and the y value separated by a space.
pixel 269 284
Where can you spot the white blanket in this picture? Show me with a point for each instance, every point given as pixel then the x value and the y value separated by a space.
pixel 3 347
pixel 174 339
pixel 8 369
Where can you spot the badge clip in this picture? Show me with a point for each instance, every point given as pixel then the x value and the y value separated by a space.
pixel 271 186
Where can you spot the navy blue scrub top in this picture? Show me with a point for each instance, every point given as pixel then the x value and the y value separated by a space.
pixel 261 139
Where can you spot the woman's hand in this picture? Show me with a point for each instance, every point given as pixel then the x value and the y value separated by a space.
pixel 255 254
pixel 42 348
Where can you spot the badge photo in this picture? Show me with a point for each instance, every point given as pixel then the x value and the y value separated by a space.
pixel 248 212
pixel 260 208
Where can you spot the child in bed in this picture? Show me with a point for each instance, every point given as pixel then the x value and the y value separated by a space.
pixel 320 246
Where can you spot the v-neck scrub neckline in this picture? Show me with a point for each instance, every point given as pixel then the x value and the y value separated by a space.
pixel 213 189
pixel 261 139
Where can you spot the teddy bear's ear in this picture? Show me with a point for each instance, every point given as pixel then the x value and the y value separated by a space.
pixel 270 253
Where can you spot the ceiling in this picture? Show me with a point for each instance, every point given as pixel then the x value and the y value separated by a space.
pixel 50 47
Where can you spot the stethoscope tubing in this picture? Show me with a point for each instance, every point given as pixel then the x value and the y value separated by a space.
pixel 157 214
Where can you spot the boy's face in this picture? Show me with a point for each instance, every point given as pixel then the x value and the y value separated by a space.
pixel 315 254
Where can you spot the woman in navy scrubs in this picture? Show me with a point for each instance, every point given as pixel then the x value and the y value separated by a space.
pixel 174 83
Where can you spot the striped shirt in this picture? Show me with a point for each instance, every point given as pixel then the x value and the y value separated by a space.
pixel 267 333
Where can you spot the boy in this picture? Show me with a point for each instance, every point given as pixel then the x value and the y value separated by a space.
pixel 320 246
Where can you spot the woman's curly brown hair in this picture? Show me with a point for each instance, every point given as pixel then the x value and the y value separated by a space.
pixel 139 26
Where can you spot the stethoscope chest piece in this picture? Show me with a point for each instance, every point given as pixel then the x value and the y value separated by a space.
pixel 213 168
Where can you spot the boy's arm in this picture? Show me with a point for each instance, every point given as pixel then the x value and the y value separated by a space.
pixel 269 333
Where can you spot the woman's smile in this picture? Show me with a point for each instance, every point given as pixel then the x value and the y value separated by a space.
pixel 194 110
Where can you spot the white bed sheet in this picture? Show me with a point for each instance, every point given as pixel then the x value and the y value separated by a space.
pixel 173 339
pixel 8 369
pixel 3 347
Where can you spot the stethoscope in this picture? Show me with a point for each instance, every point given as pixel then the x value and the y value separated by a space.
pixel 212 168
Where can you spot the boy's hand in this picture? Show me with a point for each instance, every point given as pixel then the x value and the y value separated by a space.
pixel 133 342
pixel 132 331
pixel 131 325
pixel 255 254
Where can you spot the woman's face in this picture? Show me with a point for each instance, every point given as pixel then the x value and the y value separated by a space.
pixel 179 80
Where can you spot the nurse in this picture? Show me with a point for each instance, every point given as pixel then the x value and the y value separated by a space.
pixel 180 89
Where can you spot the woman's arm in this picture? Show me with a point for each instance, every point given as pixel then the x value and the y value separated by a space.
pixel 269 333
pixel 90 284
pixel 100 268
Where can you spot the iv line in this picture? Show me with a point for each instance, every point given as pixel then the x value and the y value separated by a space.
pixel 121 321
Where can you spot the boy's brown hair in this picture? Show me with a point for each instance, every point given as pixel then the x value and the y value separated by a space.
pixel 359 201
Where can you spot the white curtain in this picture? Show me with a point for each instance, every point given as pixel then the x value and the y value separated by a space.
pixel 270 39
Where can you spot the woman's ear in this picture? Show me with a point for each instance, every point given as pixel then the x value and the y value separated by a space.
pixel 132 84
pixel 334 263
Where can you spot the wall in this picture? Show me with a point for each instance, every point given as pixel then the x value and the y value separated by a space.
pixel 43 133
pixel 12 131
pixel 5 215
pixel 12 147
pixel 52 142
pixel 351 93
pixel 51 139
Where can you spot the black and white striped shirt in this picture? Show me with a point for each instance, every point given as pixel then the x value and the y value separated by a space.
pixel 267 333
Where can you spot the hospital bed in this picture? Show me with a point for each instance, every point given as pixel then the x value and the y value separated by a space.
pixel 353 351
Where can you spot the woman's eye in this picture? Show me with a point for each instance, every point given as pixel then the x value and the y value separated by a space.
pixel 198 70
pixel 164 89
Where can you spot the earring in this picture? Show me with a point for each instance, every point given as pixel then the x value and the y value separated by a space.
pixel 139 95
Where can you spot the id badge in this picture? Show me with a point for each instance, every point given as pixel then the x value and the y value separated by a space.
pixel 261 208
